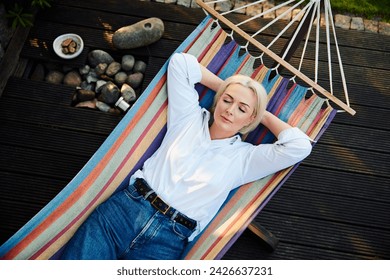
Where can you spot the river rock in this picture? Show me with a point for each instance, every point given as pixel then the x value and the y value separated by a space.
pixel 84 70
pixel 128 62
pixel 120 78
pixel 101 68
pixel 54 77
pixel 99 85
pixel 73 79
pixel 140 34
pixel 85 95
pixel 139 66
pixel 135 79
pixel 113 68
pixel 99 56
pixel 87 86
pixel 103 106
pixel 87 104
pixel 109 93
pixel 92 77
pixel 128 93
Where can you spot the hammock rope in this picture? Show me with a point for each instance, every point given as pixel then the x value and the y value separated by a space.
pixel 320 8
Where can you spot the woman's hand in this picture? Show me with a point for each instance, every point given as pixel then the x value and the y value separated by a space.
pixel 273 123
pixel 209 79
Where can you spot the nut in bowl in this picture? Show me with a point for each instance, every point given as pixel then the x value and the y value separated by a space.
pixel 68 46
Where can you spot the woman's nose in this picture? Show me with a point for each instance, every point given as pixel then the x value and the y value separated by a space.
pixel 229 110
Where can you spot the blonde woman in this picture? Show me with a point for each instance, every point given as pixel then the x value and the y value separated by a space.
pixel 201 159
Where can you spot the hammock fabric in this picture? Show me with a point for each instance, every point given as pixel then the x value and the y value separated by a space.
pixel 140 133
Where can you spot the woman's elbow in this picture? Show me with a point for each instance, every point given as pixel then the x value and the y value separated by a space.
pixel 305 149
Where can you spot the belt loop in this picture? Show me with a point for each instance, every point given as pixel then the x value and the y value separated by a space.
pixel 148 193
pixel 174 215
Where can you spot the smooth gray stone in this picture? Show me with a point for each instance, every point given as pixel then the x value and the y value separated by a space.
pixel 140 34
pixel 99 56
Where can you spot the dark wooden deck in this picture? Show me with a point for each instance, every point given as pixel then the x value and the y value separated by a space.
pixel 335 206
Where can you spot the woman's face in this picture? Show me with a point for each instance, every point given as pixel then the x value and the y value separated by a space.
pixel 234 110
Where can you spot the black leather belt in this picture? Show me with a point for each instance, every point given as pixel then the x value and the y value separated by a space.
pixel 148 193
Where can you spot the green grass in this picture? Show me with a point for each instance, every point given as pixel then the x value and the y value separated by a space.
pixel 370 9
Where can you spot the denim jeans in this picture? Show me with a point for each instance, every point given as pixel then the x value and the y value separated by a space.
pixel 126 226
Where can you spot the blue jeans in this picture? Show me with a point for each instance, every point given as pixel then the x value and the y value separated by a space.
pixel 126 226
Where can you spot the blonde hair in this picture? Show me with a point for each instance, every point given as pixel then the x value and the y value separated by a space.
pixel 259 91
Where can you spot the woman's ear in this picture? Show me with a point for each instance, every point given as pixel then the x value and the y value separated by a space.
pixel 251 119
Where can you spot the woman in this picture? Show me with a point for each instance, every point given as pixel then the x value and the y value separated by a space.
pixel 182 185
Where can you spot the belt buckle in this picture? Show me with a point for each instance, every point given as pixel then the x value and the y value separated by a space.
pixel 158 207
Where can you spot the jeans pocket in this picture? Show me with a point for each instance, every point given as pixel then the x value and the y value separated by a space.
pixel 181 231
pixel 132 193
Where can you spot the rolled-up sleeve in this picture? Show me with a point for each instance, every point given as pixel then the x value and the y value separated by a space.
pixel 183 73
pixel 291 147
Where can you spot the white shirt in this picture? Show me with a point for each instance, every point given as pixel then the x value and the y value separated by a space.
pixel 195 174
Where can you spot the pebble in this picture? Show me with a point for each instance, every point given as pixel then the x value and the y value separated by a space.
pixel 139 66
pixel 87 104
pixel 85 95
pixel 103 106
pixel 92 77
pixel 128 62
pixel 99 85
pixel 99 56
pixel 109 93
pixel 120 78
pixel 101 68
pixel 73 79
pixel 84 70
pixel 135 79
pixel 128 93
pixel 113 68
pixel 54 77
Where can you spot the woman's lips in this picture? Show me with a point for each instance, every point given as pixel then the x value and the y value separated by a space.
pixel 226 119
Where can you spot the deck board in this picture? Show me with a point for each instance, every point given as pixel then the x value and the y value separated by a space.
pixel 334 206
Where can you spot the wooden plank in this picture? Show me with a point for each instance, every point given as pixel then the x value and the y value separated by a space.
pixel 175 13
pixel 41 163
pixel 10 59
pixel 364 241
pixel 370 117
pixel 29 90
pixel 47 138
pixel 341 183
pixel 247 246
pixel 64 117
pixel 356 137
pixel 29 187
pixel 330 207
pixel 351 160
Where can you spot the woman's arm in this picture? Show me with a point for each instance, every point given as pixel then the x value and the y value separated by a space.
pixel 274 124
pixel 209 79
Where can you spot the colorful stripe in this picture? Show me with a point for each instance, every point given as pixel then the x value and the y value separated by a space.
pixel 140 133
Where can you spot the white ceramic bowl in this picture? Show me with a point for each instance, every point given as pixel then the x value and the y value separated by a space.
pixel 58 49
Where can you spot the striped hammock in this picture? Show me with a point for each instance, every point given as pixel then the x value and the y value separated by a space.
pixel 140 133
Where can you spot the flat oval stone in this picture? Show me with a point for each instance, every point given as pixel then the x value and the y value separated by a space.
pixel 99 56
pixel 140 34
